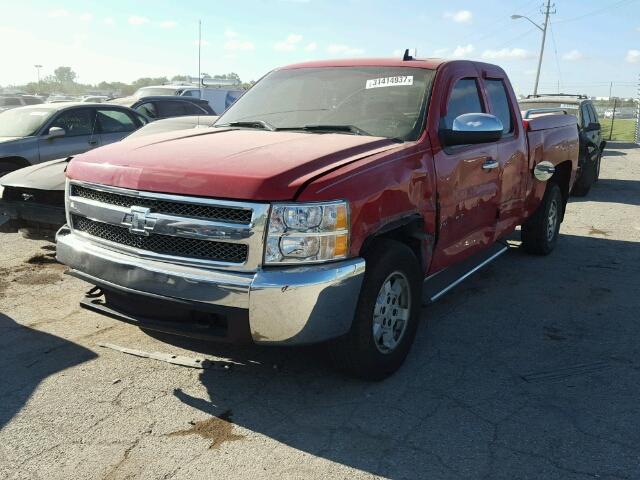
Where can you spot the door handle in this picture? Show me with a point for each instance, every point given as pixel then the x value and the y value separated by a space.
pixel 93 142
pixel 490 164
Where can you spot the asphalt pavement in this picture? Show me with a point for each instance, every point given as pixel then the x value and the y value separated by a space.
pixel 529 369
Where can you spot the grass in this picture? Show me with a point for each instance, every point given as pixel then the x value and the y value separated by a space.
pixel 623 129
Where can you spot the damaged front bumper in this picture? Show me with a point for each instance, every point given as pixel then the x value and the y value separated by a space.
pixel 34 219
pixel 280 306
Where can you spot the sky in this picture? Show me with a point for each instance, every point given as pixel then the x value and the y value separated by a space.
pixel 590 43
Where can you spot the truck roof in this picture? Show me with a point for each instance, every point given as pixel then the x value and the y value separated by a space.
pixel 430 63
pixel 426 63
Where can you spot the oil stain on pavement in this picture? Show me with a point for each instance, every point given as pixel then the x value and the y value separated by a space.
pixel 219 429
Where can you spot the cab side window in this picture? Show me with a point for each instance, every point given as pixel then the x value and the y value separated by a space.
pixel 499 100
pixel 464 98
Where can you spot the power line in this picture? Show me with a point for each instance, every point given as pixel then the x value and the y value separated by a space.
pixel 597 11
pixel 555 50
pixel 498 24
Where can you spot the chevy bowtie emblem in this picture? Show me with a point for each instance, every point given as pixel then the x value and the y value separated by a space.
pixel 139 221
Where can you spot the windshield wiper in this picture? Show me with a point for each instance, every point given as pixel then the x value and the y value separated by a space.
pixel 261 124
pixel 329 128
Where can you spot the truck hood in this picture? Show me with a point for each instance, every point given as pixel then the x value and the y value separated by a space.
pixel 223 162
pixel 43 176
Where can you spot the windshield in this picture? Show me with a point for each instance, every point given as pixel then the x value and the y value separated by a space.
pixel 377 101
pixel 153 91
pixel 22 122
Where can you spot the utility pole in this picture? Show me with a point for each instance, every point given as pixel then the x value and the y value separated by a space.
pixel 610 90
pixel 38 67
pixel 199 56
pixel 547 11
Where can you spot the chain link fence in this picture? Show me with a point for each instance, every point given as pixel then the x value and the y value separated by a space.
pixel 637 139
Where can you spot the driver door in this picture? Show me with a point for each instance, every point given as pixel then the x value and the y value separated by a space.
pixel 467 179
pixel 80 135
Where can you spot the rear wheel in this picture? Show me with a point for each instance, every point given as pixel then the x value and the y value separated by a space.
pixel 387 314
pixel 540 232
pixel 598 161
pixel 587 178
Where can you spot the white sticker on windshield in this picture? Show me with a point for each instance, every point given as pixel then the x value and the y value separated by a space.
pixel 406 80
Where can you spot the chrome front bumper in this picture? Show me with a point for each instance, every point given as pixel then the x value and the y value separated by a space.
pixel 287 306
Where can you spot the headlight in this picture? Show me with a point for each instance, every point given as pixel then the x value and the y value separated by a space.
pixel 307 233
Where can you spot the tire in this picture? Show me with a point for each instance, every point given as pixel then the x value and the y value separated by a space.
pixel 540 231
pixel 587 179
pixel 598 162
pixel 6 167
pixel 365 352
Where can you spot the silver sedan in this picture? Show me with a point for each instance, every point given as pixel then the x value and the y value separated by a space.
pixel 37 133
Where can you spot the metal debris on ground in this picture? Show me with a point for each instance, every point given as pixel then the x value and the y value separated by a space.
pixel 202 363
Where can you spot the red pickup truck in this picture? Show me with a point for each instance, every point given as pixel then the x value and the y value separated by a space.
pixel 317 205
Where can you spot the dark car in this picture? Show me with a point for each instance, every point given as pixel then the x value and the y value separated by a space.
pixel 164 106
pixel 7 102
pixel 592 143
pixel 37 133
pixel 32 198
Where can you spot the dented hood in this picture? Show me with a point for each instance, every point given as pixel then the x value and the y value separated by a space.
pixel 222 162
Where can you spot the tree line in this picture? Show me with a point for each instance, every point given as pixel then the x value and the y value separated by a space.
pixel 64 81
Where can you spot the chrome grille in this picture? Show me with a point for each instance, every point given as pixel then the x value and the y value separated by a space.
pixel 163 244
pixel 218 233
pixel 192 210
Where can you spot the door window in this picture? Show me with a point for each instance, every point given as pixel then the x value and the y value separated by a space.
pixel 115 121
pixel 78 121
pixel 586 119
pixel 148 109
pixel 193 109
pixel 594 114
pixel 499 100
pixel 464 98
pixel 172 109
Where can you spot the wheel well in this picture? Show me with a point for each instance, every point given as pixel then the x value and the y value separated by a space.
pixel 562 178
pixel 409 231
pixel 18 162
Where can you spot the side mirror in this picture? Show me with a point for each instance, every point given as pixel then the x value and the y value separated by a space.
pixel 471 128
pixel 55 132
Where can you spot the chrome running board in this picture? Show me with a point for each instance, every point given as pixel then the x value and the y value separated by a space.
pixel 438 284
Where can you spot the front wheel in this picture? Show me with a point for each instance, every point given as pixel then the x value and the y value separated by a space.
pixel 387 314
pixel 540 232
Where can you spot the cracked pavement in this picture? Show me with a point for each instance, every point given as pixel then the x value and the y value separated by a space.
pixel 529 369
